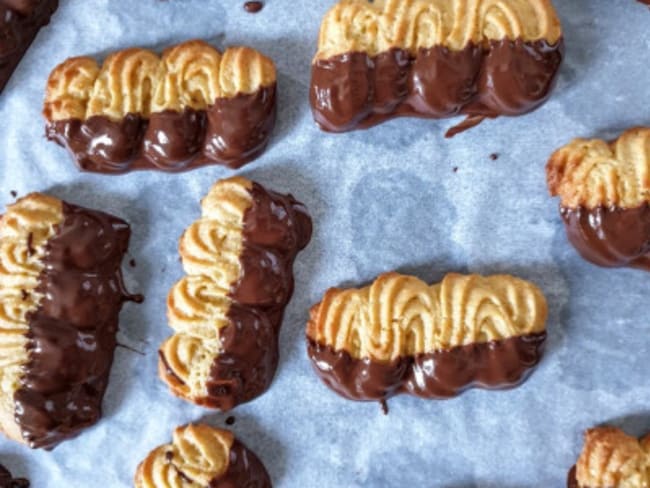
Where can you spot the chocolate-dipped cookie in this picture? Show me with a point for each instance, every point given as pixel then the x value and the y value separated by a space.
pixel 604 190
pixel 193 107
pixel 611 459
pixel 62 291
pixel 433 58
pixel 400 335
pixel 20 21
pixel 227 311
pixel 201 456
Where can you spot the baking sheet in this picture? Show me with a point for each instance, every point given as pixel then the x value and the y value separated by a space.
pixel 399 196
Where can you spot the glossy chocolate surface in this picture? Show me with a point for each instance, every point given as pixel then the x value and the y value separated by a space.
pixel 72 333
pixel 354 90
pixel 244 470
pixel 610 236
pixel 276 228
pixel 231 132
pixel 440 374
pixel 20 21
pixel 7 481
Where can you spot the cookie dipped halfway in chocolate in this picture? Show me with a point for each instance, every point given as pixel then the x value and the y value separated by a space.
pixel 604 192
pixel 201 456
pixel 192 107
pixel 611 459
pixel 62 290
pixel 226 313
pixel 427 58
pixel 20 21
pixel 400 335
pixel 8 481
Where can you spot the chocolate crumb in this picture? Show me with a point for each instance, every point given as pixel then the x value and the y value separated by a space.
pixel 24 294
pixel 455 170
pixel 169 456
pixel 494 156
pixel 253 7
pixel 14 193
pixel 384 406
pixel 230 420
pixel 132 263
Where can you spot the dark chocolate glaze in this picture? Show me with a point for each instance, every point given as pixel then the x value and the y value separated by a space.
pixel 610 236
pixel 572 480
pixel 20 21
pixel 440 374
pixel 7 481
pixel 72 333
pixel 276 228
pixel 253 7
pixel 244 470
pixel 232 132
pixel 354 90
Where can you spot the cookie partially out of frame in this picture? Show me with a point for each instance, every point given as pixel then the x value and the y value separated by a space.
pixel 8 481
pixel 20 21
pixel 433 58
pixel 604 190
pixel 193 107
pixel 226 313
pixel 611 459
pixel 201 456
pixel 401 335
pixel 61 292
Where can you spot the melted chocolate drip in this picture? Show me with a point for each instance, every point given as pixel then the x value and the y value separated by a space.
pixel 232 132
pixel 440 374
pixel 72 333
pixel 354 90
pixel 244 470
pixel 7 481
pixel 20 21
pixel 276 228
pixel 610 236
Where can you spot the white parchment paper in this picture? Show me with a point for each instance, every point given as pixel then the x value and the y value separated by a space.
pixel 383 199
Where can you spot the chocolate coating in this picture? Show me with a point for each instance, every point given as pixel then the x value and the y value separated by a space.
pixel 354 90
pixel 276 228
pixel 440 374
pixel 20 21
pixel 7 481
pixel 244 470
pixel 231 131
pixel 72 333
pixel 572 481
pixel 610 236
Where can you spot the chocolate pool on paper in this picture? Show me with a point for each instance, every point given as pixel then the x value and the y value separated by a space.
pixel 232 132
pixel 505 77
pixel 72 333
pixel 20 21
pixel 440 374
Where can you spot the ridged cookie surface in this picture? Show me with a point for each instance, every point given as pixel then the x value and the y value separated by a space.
pixel 612 459
pixel 227 311
pixel 192 106
pixel 376 27
pixel 201 456
pixel 61 289
pixel 402 335
pixel 604 190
